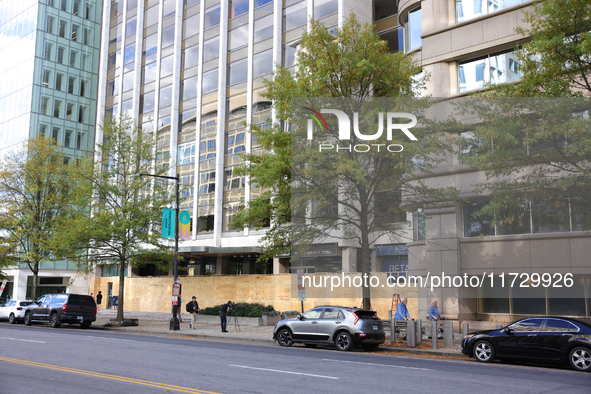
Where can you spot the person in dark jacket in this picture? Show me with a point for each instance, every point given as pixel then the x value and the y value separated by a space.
pixel 99 299
pixel 193 309
pixel 223 310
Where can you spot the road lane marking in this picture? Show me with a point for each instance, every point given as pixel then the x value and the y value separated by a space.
pixel 105 376
pixel 290 372
pixel 377 365
pixel 24 340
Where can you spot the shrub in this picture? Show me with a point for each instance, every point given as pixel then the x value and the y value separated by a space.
pixel 243 309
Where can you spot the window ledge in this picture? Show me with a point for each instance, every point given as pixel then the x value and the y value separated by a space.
pixel 521 237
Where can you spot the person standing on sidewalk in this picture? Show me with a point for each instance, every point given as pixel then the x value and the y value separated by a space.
pixel 193 309
pixel 178 309
pixel 223 310
pixel 99 299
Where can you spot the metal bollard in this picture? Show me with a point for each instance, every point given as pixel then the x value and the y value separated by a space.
pixel 434 334
pixel 410 333
pixel 418 332
pixel 392 330
pixel 390 315
pixel 465 329
pixel 448 333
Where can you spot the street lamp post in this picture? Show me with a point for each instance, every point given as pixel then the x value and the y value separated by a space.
pixel 174 322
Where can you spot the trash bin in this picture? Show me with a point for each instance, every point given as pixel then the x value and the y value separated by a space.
pixel 115 301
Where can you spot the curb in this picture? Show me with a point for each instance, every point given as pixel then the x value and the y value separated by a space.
pixel 425 352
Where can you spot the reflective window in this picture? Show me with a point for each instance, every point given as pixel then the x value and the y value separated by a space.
pixel 59 81
pixel 87 39
pixel 147 102
pixel 295 16
pixel 129 54
pixel 191 26
pixel 50 28
pixel 131 27
pixel 149 73
pixel 84 85
pixel 191 3
pixel 212 17
pixel 48 51
pixel 150 44
pixel 166 66
pixel 68 139
pixel 113 87
pixel 75 32
pixel 238 38
pixel 469 9
pixel 81 114
pixel 168 8
pixel 151 16
pixel 63 28
pixel 262 63
pixel 237 71
pixel 128 81
pixel 165 97
pixel 263 28
pixel 45 105
pixel 288 56
pixel 313 313
pixel 210 81
pixel 57 108
pixel 47 78
pixel 73 57
pixel 527 325
pixel 331 313
pixel 412 30
pixel 238 7
pixel 190 57
pixel 168 36
pixel 550 215
pixel 189 88
pixel 115 33
pixel 477 73
pixel 559 325
pixel 258 3
pixel 61 52
pixel 71 84
pixel 211 49
pixel 476 223
pixel 131 4
pixel 70 111
pixel 116 7
pixel 323 8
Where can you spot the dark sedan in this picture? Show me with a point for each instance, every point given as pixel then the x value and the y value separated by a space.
pixel 545 339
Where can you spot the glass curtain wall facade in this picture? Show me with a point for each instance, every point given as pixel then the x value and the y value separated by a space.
pixel 50 50
pixel 192 73
pixel 49 74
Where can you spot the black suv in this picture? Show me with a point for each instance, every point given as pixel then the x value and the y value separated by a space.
pixel 62 308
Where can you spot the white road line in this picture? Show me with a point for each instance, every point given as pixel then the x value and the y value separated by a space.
pixel 378 365
pixel 24 340
pixel 290 372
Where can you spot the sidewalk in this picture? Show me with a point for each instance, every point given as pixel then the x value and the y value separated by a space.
pixel 157 323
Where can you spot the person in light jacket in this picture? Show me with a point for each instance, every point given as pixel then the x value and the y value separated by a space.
pixel 402 311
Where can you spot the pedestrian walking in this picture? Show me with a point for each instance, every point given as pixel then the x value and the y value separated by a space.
pixel 193 308
pixel 99 299
pixel 223 310
pixel 92 295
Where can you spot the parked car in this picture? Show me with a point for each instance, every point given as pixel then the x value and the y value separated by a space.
pixel 335 325
pixel 545 339
pixel 14 310
pixel 62 308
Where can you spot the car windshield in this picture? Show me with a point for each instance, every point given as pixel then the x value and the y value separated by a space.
pixel 313 313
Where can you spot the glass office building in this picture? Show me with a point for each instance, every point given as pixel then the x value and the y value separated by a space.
pixel 191 72
pixel 49 74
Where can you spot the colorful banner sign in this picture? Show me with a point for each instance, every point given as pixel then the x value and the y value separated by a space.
pixel 185 225
pixel 168 223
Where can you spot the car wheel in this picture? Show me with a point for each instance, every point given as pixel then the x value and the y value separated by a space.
pixel 284 337
pixel 484 352
pixel 28 320
pixel 11 318
pixel 310 345
pixel 85 325
pixel 53 321
pixel 580 359
pixel 370 347
pixel 343 341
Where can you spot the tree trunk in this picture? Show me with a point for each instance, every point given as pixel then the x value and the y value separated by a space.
pixel 365 255
pixel 122 265
pixel 35 276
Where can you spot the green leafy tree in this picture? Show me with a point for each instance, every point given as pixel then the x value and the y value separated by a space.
pixel 351 67
pixel 36 195
pixel 557 60
pixel 125 208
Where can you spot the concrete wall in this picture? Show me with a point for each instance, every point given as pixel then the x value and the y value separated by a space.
pixel 153 294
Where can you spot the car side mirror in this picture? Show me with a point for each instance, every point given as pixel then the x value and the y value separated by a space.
pixel 508 331
pixel 299 317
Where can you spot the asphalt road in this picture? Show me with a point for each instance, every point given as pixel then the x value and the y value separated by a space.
pixel 40 359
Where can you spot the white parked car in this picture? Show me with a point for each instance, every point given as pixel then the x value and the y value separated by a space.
pixel 14 310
